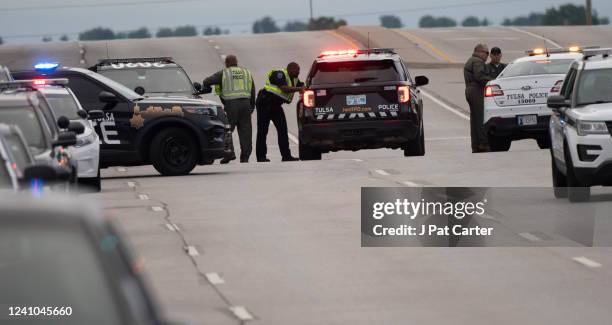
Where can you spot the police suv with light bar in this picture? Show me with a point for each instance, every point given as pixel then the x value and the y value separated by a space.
pixel 360 99
pixel 173 134
pixel 515 102
pixel 581 127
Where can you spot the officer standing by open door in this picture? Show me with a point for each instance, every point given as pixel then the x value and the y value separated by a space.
pixel 281 84
pixel 236 88
pixel 476 76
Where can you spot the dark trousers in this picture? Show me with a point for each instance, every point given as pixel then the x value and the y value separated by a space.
pixel 270 111
pixel 239 115
pixel 475 98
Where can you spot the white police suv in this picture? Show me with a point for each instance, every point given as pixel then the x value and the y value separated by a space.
pixel 515 102
pixel 581 127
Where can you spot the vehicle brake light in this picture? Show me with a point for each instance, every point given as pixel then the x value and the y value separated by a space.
pixel 403 94
pixel 557 87
pixel 40 82
pixel 493 91
pixel 309 98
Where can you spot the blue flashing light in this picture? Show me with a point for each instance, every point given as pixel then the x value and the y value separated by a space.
pixel 46 66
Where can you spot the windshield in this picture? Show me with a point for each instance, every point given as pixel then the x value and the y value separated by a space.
pixel 121 89
pixel 537 68
pixel 354 72
pixel 595 86
pixel 167 80
pixel 25 118
pixel 55 267
pixel 63 105
pixel 18 150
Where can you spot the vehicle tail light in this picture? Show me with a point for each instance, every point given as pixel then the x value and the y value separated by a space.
pixel 557 87
pixel 493 91
pixel 403 94
pixel 309 98
pixel 40 82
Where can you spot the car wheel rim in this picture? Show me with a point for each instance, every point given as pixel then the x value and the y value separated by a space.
pixel 176 151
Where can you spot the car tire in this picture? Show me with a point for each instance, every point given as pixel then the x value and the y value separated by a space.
pixel 576 191
pixel 558 179
pixel 498 144
pixel 543 143
pixel 173 152
pixel 416 148
pixel 309 153
pixel 91 184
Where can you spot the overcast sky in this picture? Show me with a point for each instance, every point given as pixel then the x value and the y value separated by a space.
pixel 25 20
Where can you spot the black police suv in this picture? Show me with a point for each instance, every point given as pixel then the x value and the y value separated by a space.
pixel 360 99
pixel 156 76
pixel 173 134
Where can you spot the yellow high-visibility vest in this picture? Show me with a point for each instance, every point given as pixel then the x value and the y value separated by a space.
pixel 236 83
pixel 274 89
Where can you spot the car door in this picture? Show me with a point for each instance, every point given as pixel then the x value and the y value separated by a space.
pixel 114 129
pixel 557 119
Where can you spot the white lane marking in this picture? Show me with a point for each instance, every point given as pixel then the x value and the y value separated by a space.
pixel 131 184
pixel 143 196
pixel 192 251
pixel 157 209
pixel 586 262
pixel 357 160
pixel 529 236
pixel 217 47
pixel 382 172
pixel 548 40
pixel 445 106
pixel 241 313
pixel 122 169
pixel 214 278
pixel 172 227
pixel 410 184
pixel 446 138
pixel 293 138
pixel 223 56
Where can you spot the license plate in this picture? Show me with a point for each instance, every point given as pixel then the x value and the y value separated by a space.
pixel 356 100
pixel 527 119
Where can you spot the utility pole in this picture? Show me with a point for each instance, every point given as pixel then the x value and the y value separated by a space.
pixel 311 13
pixel 589 12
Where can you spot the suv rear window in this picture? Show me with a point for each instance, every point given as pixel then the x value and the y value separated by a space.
pixel 539 67
pixel 354 71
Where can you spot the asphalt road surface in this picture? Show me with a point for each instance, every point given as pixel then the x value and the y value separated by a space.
pixel 279 243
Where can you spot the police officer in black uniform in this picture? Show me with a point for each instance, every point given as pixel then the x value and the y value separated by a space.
pixel 495 65
pixel 281 84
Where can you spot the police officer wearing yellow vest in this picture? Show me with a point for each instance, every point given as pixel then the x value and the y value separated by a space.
pixel 236 88
pixel 281 84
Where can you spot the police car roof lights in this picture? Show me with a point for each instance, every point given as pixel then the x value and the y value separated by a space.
pixel 548 52
pixel 355 52
pixel 49 82
pixel 165 59
pixel 33 84
pixel 46 66
pixel 604 52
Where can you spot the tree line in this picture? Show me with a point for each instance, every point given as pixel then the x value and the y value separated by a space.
pixel 103 33
pixel 268 25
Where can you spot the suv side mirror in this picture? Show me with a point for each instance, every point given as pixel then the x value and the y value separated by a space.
pixel 108 98
pixel 197 86
pixel 206 90
pixel 65 139
pixel 76 127
pixel 140 90
pixel 42 171
pixel 82 113
pixel 63 122
pixel 557 102
pixel 421 81
pixel 95 115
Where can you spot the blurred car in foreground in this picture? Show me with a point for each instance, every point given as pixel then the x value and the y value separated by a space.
pixel 69 265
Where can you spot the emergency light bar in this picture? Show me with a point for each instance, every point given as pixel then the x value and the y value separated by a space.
pixel 354 52
pixel 33 84
pixel 571 49
pixel 46 66
pixel 165 59
pixel 605 52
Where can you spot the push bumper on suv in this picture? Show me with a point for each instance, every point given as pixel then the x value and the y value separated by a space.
pixel 359 134
pixel 508 127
